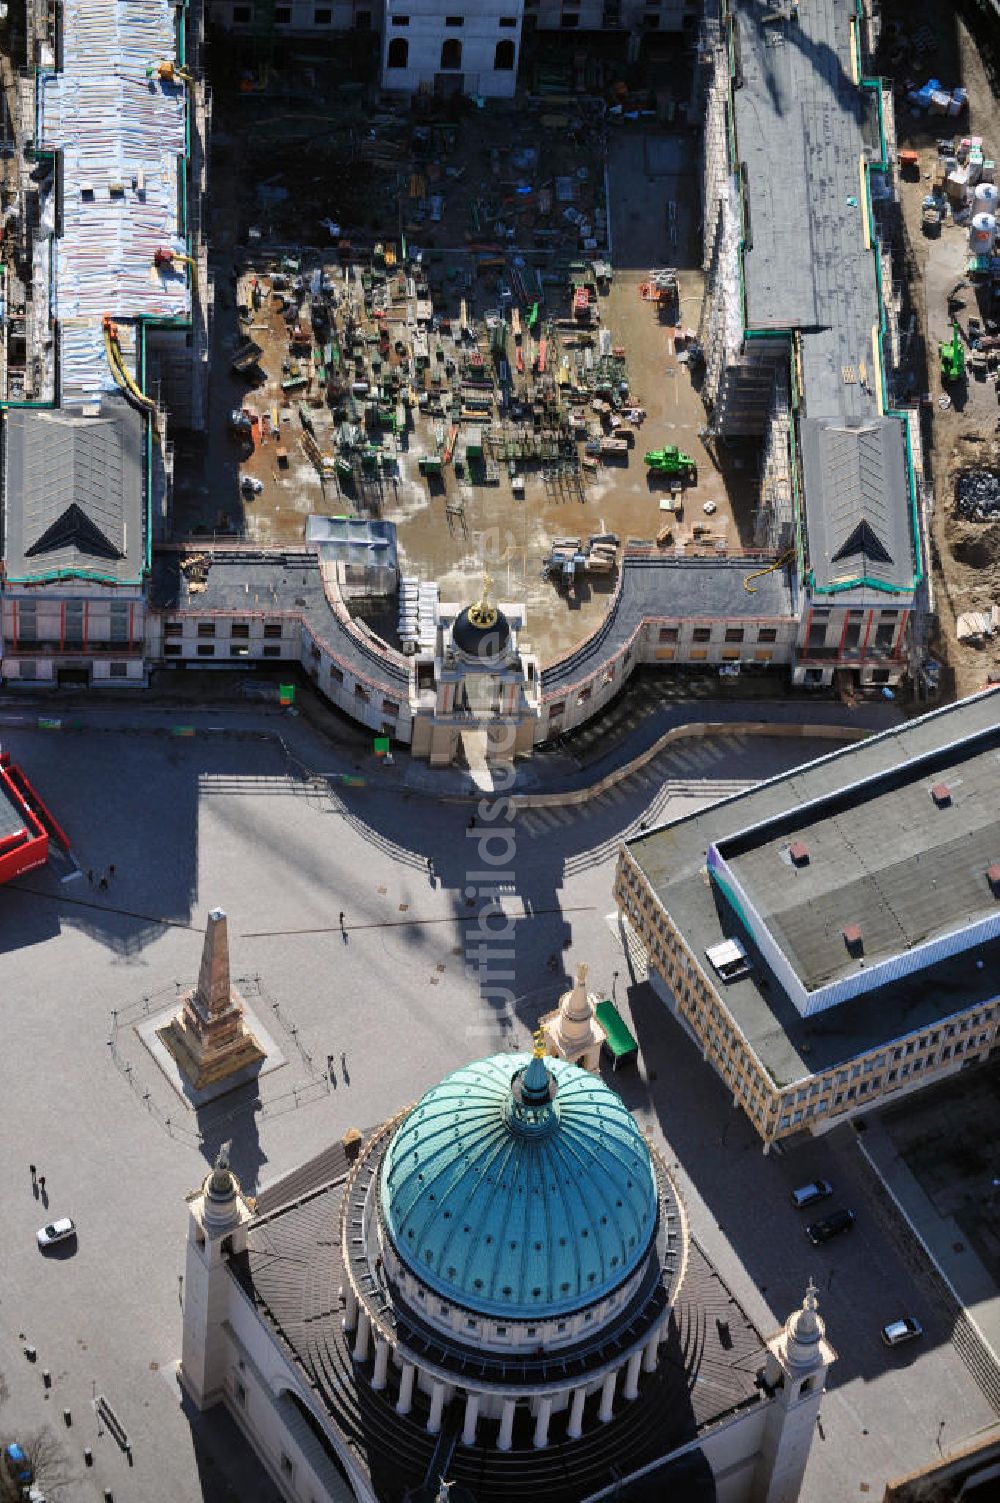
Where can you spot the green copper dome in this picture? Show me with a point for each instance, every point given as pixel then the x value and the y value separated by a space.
pixel 519 1187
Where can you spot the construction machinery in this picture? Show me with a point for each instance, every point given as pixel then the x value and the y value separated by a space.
pixel 952 355
pixel 164 258
pixel 166 71
pixel 122 374
pixel 671 461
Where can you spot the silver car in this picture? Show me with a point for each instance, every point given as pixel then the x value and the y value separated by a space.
pixel 56 1231
pixel 809 1195
pixel 903 1329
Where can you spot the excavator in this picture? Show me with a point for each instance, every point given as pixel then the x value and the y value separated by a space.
pixel 122 374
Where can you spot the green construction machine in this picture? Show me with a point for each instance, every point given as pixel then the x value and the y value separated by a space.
pixel 952 355
pixel 671 461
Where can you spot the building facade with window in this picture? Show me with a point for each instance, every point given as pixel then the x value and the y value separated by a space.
pixel 831 938
pixel 495 1289
pixel 434 44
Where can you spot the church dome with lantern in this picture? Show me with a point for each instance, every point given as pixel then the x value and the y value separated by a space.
pixel 520 1188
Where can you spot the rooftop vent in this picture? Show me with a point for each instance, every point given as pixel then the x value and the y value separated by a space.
pixel 993 878
pixel 941 794
pixel 853 939
pixel 729 959
pixel 799 853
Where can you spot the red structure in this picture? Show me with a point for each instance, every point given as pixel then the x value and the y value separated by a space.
pixel 25 824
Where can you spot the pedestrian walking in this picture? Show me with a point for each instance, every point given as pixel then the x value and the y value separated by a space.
pixel 430 865
pixel 103 884
pixel 32 1169
pixel 472 822
pixel 90 877
pixel 41 1182
pixel 342 918
pixel 111 870
pixel 343 1059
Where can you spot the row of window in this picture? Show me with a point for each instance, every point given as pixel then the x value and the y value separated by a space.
pixel 207 650
pixel 696 999
pixel 506 21
pixel 238 630
pixel 504 56
pixel 892 1079
pixel 730 634
pixel 28 669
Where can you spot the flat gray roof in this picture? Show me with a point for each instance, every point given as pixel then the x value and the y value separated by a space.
pixel 73 492
pixel 884 857
pixel 789 1045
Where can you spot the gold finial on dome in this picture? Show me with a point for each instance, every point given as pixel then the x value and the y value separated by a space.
pixel 484 612
pixel 538 1044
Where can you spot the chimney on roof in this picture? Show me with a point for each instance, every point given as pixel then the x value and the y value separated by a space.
pixel 941 794
pixel 993 878
pixel 799 853
pixel 853 939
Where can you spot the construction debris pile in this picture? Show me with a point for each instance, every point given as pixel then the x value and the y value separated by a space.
pixel 569 556
pixel 977 496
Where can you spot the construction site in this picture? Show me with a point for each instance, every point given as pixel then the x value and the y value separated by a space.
pixel 484 366
pixel 568 339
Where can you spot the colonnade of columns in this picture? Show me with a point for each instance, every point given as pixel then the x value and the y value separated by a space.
pixel 356 1319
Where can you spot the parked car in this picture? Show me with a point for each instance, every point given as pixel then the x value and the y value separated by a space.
pixel 251 486
pixel 830 1226
pixel 903 1329
pixel 808 1195
pixel 56 1231
pixel 17 1465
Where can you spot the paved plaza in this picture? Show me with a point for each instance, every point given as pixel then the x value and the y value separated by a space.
pixel 231 817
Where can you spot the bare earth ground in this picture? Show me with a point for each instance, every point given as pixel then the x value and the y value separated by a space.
pixel 966 554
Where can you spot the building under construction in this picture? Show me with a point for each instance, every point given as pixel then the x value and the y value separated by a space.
pixel 105 330
pixel 799 327
pixel 504 370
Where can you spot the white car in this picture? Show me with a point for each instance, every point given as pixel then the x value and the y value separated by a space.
pixel 251 486
pixel 56 1231
pixel 903 1329
pixel 709 508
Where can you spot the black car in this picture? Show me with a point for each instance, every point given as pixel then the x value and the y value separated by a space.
pixel 830 1226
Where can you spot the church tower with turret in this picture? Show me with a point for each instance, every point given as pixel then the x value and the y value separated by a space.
pixel 799 1357
pixel 218 1216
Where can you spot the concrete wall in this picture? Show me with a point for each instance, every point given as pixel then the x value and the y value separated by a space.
pixel 222 639
pixel 257 1365
pixel 667 640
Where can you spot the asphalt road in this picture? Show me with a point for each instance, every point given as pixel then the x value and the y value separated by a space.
pixel 225 817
